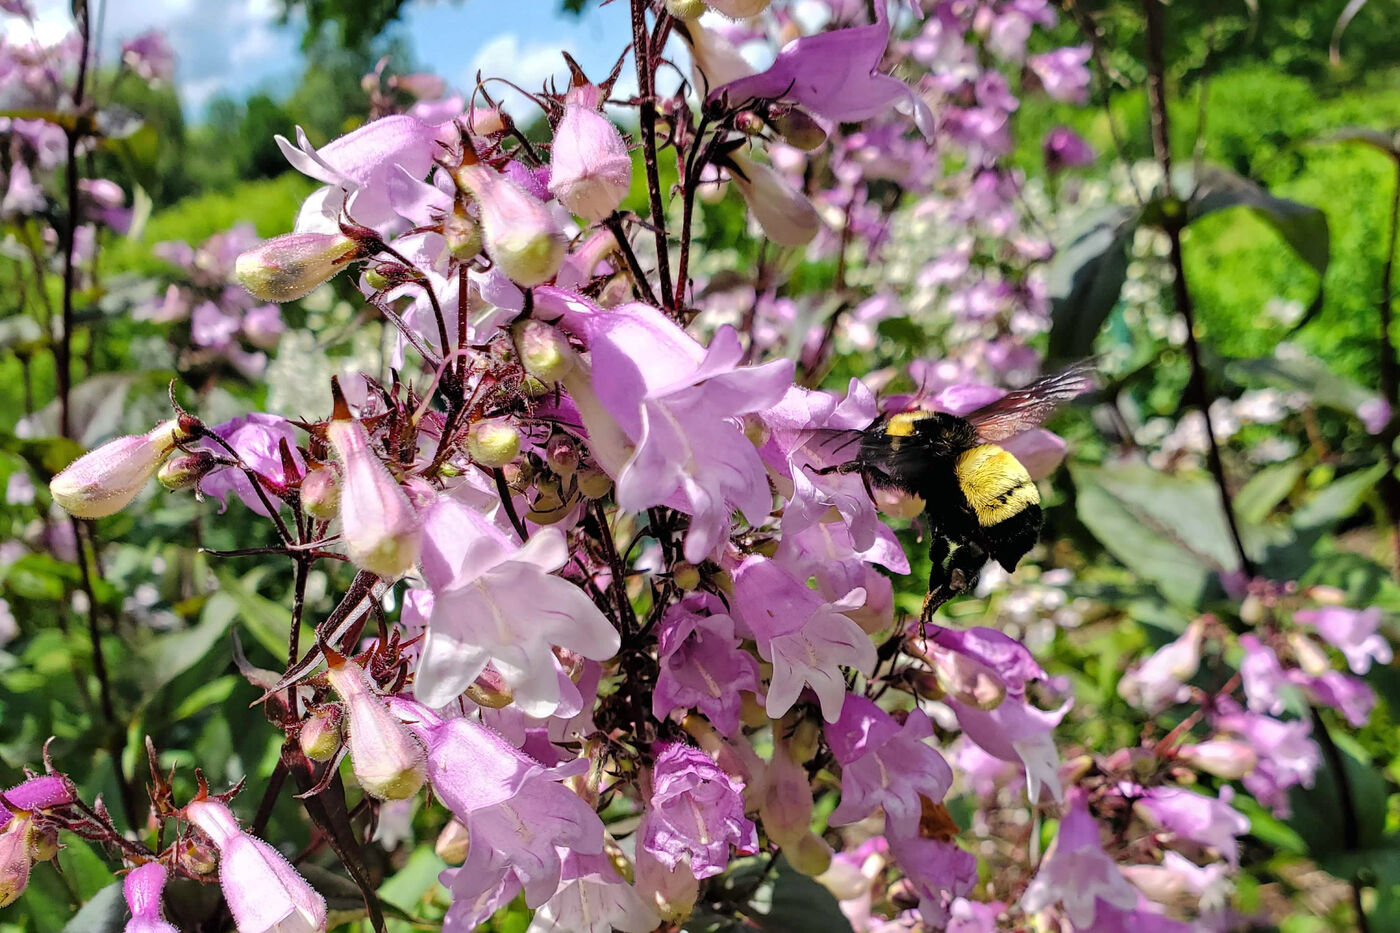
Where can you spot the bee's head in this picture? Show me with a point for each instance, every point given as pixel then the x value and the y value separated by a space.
pixel 947 435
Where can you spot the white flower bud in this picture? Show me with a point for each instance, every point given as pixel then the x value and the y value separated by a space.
pixel 520 234
pixel 293 265
pixel 104 481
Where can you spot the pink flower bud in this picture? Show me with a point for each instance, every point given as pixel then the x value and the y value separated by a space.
pixel 522 236
pixel 686 9
pixel 1221 757
pixel 452 842
pixel 320 493
pixel 293 265
pixel 321 735
pixel 463 234
pixel 543 350
pixel 493 442
pixel 738 9
pixel 264 892
pixel 44 792
pixel 671 891
pixel 377 522
pixel 786 216
pixel 184 471
pixel 786 804
pixel 387 760
pixel 143 889
pixel 104 481
pixel 14 860
pixel 589 168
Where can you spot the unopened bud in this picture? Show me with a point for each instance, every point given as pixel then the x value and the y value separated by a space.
pixel 490 690
pixel 786 215
pixel 550 505
pixel 1311 657
pixel 589 168
pixel 561 453
pixel 1221 757
pixel 184 471
pixel 686 575
pixel 593 483
pixel 521 236
pixel 380 528
pixel 670 891
pixel 493 442
pixel 104 481
pixel 796 127
pixel 543 350
pixel 322 734
pixel 387 760
pixel 805 740
pixel 320 493
pixel 809 854
pixel 43 843
pixel 453 842
pixel 199 858
pixel 376 279
pixel 293 265
pixel 463 235
pixel 686 9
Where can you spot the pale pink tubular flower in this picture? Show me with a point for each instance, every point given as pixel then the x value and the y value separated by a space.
pixel 264 892
pixel 377 521
pixel 106 480
pixel 785 214
pixel 1077 873
pixel 589 168
pixel 1353 632
pixel 142 889
pixel 593 898
pixel 520 233
pixel 388 761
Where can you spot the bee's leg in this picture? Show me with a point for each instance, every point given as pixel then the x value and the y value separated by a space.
pixel 851 466
pixel 938 592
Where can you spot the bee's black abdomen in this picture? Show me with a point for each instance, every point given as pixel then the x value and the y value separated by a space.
pixel 1008 540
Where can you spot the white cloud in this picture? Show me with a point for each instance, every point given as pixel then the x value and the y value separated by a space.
pixel 527 65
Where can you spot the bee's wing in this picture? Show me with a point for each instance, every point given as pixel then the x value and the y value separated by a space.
pixel 1025 408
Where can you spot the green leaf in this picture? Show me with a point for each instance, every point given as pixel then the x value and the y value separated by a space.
pixel 168 656
pixel 1303 227
pixel 411 885
pixel 792 901
pixel 96 407
pixel 1266 489
pixel 1085 278
pixel 265 620
pixel 105 913
pixel 1318 811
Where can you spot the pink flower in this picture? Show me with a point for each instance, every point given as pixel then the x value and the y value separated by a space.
pixel 1207 821
pixel 142 889
pixel 593 898
pixel 1263 677
pixel 378 524
pixel 263 891
pixel 149 55
pixel 885 765
pixel 695 814
pixel 106 480
pixel 806 638
pixel 1351 631
pixel 1077 873
pixel 387 761
pixel 1064 148
pixel 499 603
pixel 682 405
pixel 521 235
pixel 703 666
pixel 1017 732
pixel 1375 414
pixel 1063 73
pixel 834 74
pixel 257 437
pixel 939 871
pixel 1161 679
pixel 590 170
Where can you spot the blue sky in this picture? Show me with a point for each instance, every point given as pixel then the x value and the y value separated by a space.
pixel 235 46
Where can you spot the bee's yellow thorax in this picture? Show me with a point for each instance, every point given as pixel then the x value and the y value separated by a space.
pixel 995 483
pixel 902 424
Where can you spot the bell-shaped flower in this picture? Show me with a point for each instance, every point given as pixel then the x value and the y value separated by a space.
pixel 938 870
pixel 1286 755
pixel 1204 820
pixel 263 891
pixel 589 168
pixel 886 765
pixel 683 407
pixel 518 845
pixel 1064 148
pixel 785 214
pixel 142 889
pixel 1018 732
pixel 703 666
pixel 498 602
pixel 15 858
pixel 471 766
pixel 1063 73
pixel 377 522
pixel 834 74
pixel 387 760
pixel 1353 632
pixel 1224 758
pixel 785 799
pixel 979 666
pixel 695 814
pixel 807 639
pixel 521 235
pixel 258 438
pixel 1077 873
pixel 1161 679
pixel 593 899
pixel 102 482
pixel 293 265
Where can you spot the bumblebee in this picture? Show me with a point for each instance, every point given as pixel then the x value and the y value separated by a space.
pixel 979 501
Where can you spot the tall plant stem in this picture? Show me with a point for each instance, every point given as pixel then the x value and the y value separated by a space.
pixel 64 353
pixel 642 53
pixel 1161 147
pixel 1390 380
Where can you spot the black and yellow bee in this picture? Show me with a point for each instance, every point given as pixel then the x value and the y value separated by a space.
pixel 979 500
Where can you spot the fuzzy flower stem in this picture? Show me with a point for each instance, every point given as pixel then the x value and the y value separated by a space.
pixel 642 53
